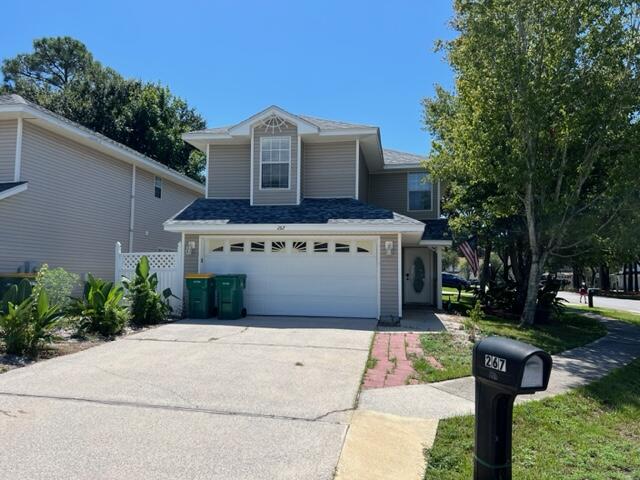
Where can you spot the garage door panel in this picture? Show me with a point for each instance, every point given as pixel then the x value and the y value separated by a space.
pixel 315 284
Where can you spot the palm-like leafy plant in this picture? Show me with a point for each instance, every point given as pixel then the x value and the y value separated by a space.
pixel 28 324
pixel 147 305
pixel 100 309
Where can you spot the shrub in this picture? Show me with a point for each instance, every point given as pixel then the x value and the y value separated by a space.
pixel 27 325
pixel 476 315
pixel 147 306
pixel 59 284
pixel 100 309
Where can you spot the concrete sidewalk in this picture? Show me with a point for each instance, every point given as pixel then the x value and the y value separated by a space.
pixel 571 369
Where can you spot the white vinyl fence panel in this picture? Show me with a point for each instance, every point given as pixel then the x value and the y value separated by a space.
pixel 167 265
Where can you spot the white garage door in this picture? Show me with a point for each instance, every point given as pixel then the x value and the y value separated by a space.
pixel 300 276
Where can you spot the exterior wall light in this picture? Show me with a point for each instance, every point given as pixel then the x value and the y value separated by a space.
pixel 388 247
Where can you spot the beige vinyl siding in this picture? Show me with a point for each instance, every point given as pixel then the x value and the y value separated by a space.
pixel 389 190
pixel 75 210
pixel 363 179
pixel 8 135
pixel 389 278
pixel 329 170
pixel 78 206
pixel 229 171
pixel 151 212
pixel 272 196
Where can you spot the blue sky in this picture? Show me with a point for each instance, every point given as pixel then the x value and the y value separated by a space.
pixel 361 61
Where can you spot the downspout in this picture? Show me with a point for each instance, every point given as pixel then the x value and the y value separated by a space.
pixel 133 207
pixel 357 195
pixel 18 160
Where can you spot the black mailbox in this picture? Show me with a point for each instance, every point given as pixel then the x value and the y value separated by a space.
pixel 503 369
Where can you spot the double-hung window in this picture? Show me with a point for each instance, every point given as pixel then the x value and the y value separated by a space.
pixel 419 188
pixel 275 162
pixel 157 187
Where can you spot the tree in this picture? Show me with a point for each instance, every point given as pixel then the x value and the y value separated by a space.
pixel 545 112
pixel 62 76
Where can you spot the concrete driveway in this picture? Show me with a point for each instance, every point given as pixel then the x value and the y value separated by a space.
pixel 258 398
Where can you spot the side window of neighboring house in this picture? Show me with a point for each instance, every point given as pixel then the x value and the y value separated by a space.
pixel 275 162
pixel 419 191
pixel 158 187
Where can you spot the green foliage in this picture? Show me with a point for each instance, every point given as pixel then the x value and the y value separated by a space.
pixel 16 294
pixel 100 309
pixel 62 76
pixel 537 142
pixel 591 432
pixel 472 322
pixel 148 306
pixel 28 325
pixel 58 283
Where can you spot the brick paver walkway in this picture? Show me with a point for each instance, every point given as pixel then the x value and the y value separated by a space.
pixel 393 352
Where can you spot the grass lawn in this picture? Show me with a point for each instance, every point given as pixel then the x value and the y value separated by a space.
pixel 453 352
pixel 590 433
pixel 623 316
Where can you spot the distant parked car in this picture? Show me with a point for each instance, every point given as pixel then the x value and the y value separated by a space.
pixel 455 281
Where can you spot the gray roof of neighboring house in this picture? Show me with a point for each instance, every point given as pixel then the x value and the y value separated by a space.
pixel 14 99
pixel 395 157
pixel 310 211
pixel 9 185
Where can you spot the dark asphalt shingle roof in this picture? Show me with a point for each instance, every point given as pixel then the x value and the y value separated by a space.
pixel 309 211
pixel 436 230
pixel 9 185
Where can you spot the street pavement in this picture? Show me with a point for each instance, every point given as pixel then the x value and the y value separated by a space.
pixel 260 398
pixel 604 302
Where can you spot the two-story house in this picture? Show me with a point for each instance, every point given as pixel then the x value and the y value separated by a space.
pixel 68 194
pixel 321 219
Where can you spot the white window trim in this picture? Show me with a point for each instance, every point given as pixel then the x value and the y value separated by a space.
pixel 409 209
pixel 270 189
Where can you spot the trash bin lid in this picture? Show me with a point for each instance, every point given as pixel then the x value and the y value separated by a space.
pixel 199 275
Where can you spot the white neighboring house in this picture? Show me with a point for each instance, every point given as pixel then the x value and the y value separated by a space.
pixel 320 218
pixel 68 194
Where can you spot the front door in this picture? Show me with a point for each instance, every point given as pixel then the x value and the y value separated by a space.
pixel 417 274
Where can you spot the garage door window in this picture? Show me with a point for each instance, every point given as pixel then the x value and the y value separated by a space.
pixel 320 247
pixel 299 247
pixel 278 247
pixel 216 246
pixel 364 246
pixel 257 247
pixel 236 247
pixel 342 247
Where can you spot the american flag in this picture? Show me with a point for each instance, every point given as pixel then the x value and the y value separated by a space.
pixel 468 249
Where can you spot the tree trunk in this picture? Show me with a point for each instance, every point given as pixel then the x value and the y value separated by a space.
pixel 635 276
pixel 624 278
pixel 531 301
pixel 576 278
pixel 484 274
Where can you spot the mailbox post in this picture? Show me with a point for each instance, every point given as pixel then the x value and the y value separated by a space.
pixel 503 368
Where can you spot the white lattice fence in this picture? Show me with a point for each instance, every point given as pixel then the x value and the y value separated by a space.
pixel 167 265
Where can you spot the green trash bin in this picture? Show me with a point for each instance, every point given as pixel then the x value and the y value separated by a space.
pixel 230 295
pixel 201 287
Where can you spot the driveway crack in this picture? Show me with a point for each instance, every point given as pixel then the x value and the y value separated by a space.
pixel 151 384
pixel 178 408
